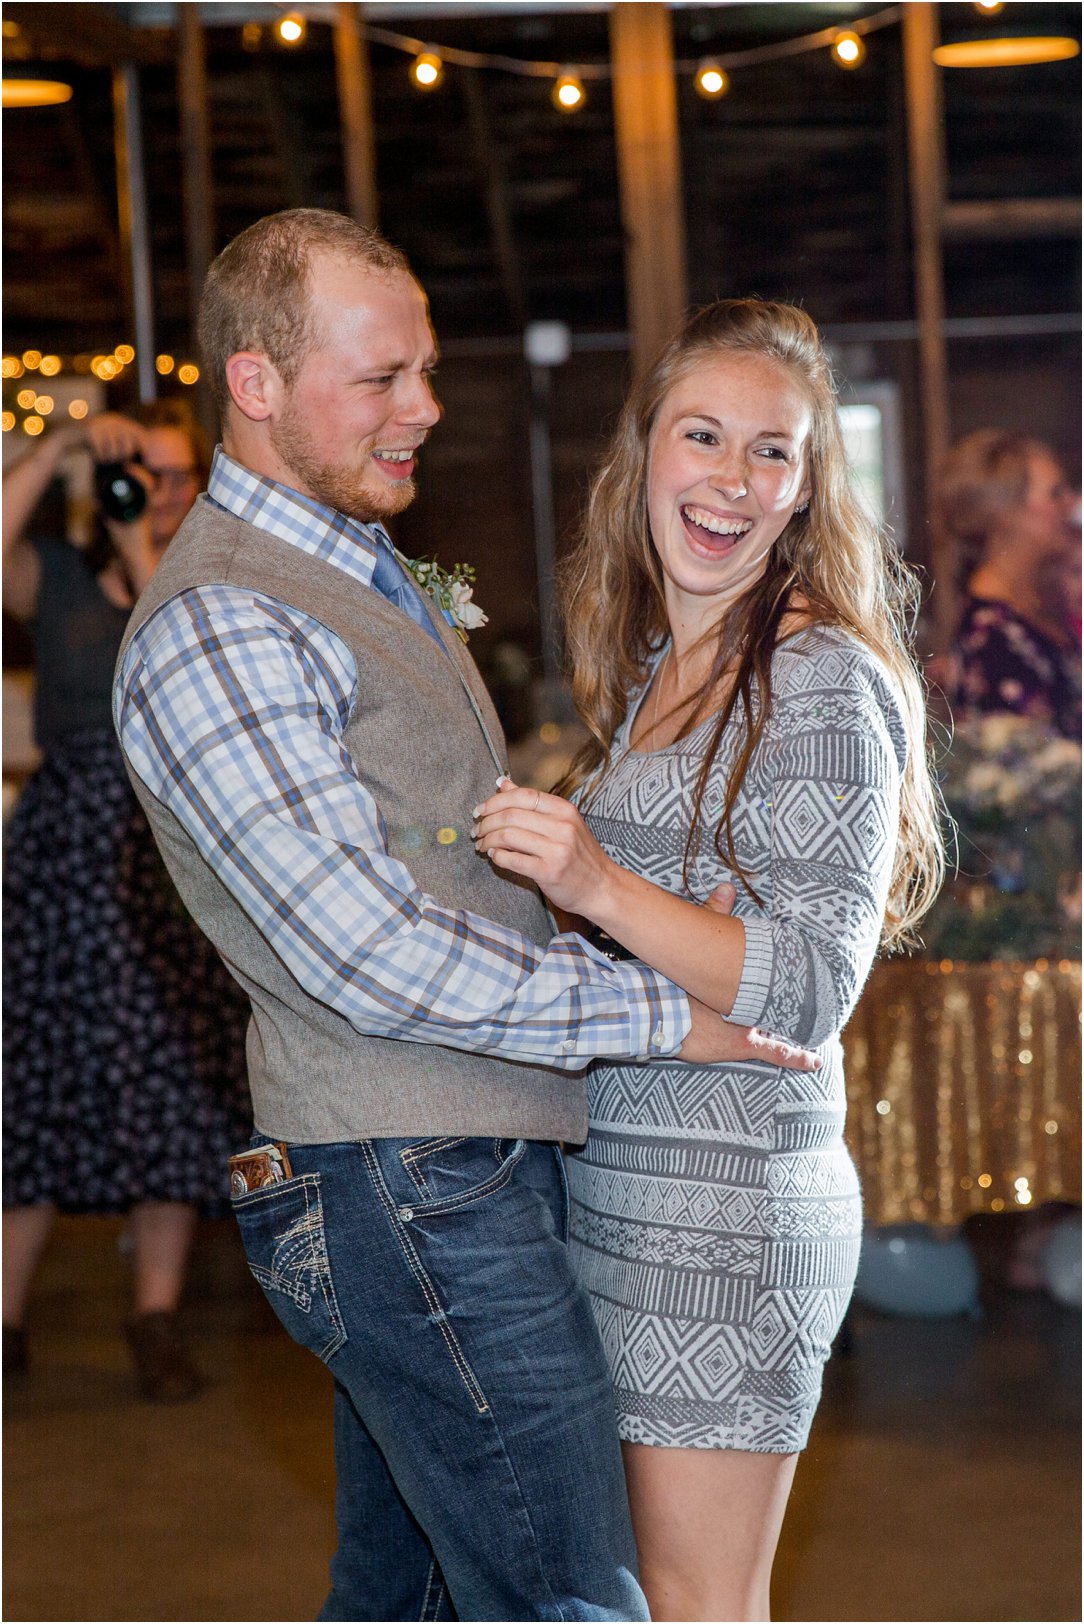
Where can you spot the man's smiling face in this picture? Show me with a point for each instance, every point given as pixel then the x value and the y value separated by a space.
pixel 362 402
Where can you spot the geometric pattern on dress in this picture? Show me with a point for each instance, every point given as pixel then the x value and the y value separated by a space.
pixel 818 1177
pixel 736 1105
pixel 797 1219
pixel 678 1248
pixel 670 1358
pixel 715 1212
pixel 794 1328
pixel 685 1202
pixel 664 1158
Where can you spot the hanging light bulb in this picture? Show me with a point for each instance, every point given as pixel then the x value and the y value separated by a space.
pixel 427 70
pixel 291 28
pixel 712 81
pixel 848 49
pixel 568 93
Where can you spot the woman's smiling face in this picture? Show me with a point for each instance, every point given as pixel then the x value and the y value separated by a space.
pixel 727 466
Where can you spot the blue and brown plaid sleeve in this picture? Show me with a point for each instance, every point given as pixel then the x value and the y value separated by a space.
pixel 230 708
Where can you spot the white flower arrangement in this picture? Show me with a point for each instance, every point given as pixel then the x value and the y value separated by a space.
pixel 1012 790
pixel 451 590
pixel 1003 765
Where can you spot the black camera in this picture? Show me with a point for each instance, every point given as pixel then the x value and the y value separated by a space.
pixel 121 495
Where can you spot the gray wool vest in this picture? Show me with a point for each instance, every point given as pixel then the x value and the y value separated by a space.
pixel 423 738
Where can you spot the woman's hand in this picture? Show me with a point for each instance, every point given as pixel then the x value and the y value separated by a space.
pixel 111 437
pixel 544 838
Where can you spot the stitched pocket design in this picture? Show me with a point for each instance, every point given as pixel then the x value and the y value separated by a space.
pixel 282 1227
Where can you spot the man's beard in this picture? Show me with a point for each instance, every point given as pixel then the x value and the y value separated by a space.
pixel 341 487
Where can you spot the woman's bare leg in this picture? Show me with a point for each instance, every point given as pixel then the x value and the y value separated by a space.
pixel 26 1230
pixel 707 1523
pixel 162 1233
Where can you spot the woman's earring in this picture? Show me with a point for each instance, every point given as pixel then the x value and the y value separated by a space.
pixel 803 507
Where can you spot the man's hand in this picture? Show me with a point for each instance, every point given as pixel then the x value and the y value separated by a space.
pixel 711 1039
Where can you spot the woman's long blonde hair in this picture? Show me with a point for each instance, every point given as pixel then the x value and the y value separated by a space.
pixel 832 555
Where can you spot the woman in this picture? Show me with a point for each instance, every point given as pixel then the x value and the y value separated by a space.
pixel 1005 501
pixel 124 1073
pixel 735 627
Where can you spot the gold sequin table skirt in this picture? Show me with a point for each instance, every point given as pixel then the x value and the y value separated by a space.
pixel 963 1088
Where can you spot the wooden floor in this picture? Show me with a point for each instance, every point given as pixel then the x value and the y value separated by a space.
pixel 942 1480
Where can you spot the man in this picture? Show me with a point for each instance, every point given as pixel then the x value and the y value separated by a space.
pixel 309 739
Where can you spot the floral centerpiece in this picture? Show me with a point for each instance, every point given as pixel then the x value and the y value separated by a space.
pixel 1012 790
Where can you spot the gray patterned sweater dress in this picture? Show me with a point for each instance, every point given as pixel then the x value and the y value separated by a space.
pixel 716 1216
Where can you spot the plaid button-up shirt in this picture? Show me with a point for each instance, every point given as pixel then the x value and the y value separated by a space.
pixel 231 708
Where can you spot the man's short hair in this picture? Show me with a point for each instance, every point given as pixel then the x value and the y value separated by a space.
pixel 256 296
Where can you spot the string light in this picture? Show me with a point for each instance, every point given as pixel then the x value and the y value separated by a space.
pixel 31 360
pixel 568 93
pixel 124 353
pixel 712 81
pixel 33 425
pixel 26 398
pixel 990 8
pixel 188 373
pixel 7 421
pixel 78 409
pixel 164 365
pixel 848 49
pixel 50 365
pixel 44 404
pixel 12 367
pixel 427 70
pixel 291 29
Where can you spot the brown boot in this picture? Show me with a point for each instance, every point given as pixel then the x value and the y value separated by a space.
pixel 16 1360
pixel 164 1371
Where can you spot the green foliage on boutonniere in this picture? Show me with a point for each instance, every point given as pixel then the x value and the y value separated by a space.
pixel 451 590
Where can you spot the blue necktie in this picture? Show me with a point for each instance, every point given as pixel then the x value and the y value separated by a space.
pixel 391 580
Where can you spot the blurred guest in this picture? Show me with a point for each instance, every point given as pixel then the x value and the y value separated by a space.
pixel 1004 498
pixel 123 1044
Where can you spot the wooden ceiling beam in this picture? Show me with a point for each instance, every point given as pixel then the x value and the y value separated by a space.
pixel 90 34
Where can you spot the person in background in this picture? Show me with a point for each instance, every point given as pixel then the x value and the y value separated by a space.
pixel 737 635
pixel 1005 500
pixel 123 1045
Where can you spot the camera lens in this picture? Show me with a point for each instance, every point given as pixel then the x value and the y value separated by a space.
pixel 121 496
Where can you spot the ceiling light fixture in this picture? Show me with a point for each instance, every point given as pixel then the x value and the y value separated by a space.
pixel 1005 53
pixel 35 92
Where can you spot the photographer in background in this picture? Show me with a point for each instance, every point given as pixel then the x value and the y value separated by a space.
pixel 123 1046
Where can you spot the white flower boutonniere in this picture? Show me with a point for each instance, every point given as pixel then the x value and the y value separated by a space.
pixel 451 590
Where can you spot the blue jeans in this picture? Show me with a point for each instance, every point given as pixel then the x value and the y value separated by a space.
pixel 479 1472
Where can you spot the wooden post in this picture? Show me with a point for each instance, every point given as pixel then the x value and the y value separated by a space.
pixel 132 220
pixel 356 114
pixel 649 169
pixel 197 176
pixel 926 141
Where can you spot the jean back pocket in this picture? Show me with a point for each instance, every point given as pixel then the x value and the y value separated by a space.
pixel 282 1228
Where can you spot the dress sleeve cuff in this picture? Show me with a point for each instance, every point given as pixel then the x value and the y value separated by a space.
pixel 756 975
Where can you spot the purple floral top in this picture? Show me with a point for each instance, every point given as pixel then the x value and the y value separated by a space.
pixel 1006 663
